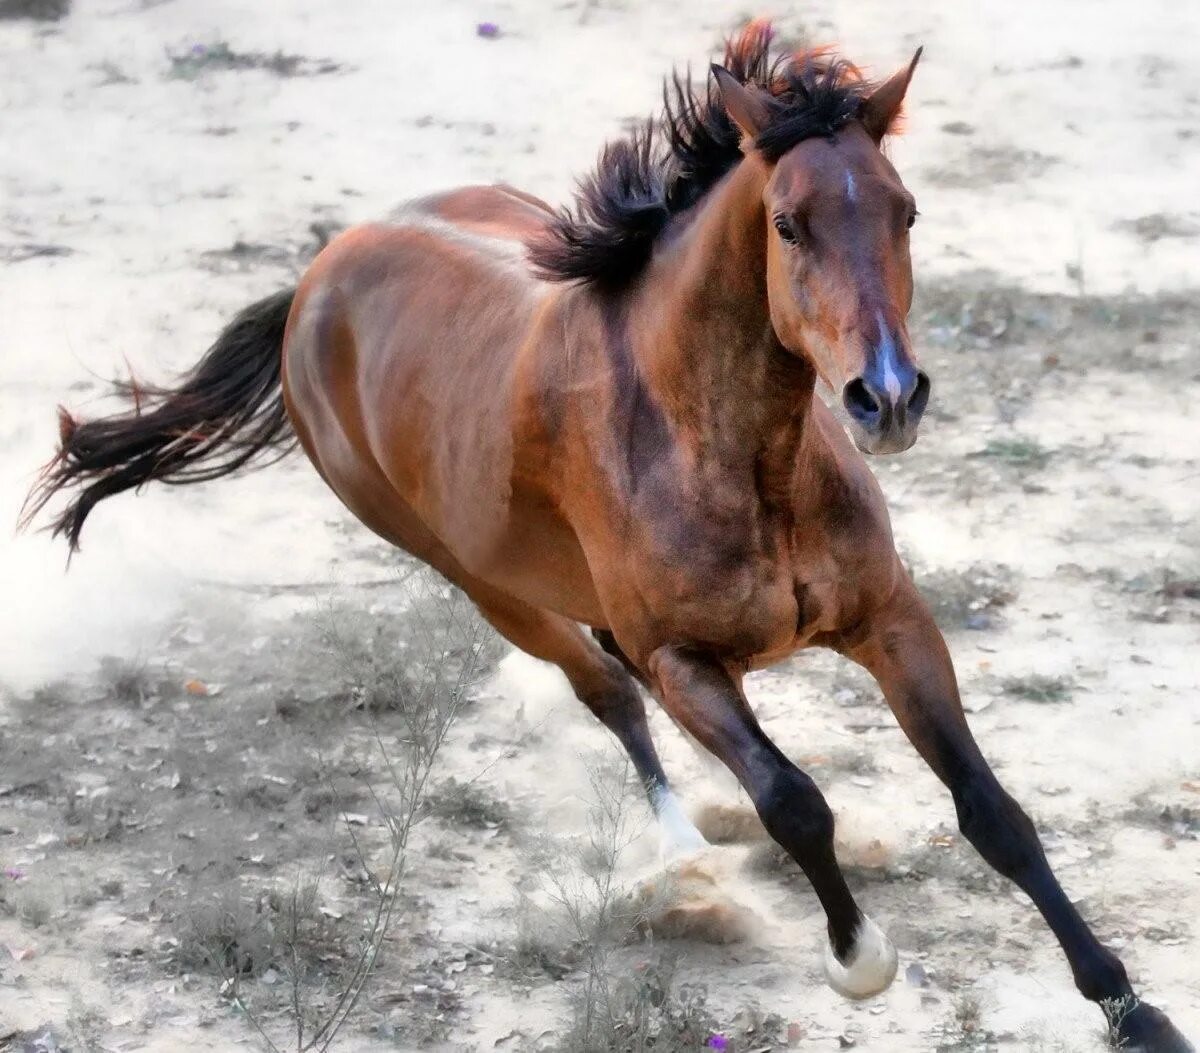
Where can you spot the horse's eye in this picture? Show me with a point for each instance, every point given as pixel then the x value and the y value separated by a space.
pixel 912 218
pixel 786 231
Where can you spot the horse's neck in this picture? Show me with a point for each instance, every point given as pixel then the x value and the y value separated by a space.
pixel 708 351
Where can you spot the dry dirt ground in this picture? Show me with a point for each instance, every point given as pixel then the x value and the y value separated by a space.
pixel 195 722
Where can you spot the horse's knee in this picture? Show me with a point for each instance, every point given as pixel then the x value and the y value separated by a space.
pixel 997 827
pixel 795 812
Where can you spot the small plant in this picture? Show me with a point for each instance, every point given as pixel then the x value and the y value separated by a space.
pixel 125 680
pixel 971 598
pixel 1016 453
pixel 963 1031
pixel 32 907
pixel 1038 688
pixel 1179 821
pixel 1115 1011
pixel 468 804
pixel 192 62
pixel 538 948
pixel 37 10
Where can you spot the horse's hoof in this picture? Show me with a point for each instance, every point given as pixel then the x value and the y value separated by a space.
pixel 1144 1029
pixel 870 968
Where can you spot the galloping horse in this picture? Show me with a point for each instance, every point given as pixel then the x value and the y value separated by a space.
pixel 606 417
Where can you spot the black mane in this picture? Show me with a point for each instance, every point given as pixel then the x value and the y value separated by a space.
pixel 664 167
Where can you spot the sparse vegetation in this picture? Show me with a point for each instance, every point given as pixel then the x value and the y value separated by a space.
pixel 1038 688
pixel 613 1008
pixel 467 804
pixel 126 681
pixel 37 10
pixel 234 933
pixel 970 598
pixel 963 1029
pixel 1180 821
pixel 1022 453
pixel 30 905
pixel 218 56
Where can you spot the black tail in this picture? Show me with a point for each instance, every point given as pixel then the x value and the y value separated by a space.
pixel 222 415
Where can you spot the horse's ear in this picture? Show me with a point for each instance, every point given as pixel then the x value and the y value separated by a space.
pixel 746 105
pixel 882 108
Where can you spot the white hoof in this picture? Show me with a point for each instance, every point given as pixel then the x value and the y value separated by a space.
pixel 870 968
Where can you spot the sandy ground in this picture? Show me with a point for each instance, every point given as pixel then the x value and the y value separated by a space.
pixel 1050 509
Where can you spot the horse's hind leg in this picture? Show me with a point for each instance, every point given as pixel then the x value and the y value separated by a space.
pixel 607 688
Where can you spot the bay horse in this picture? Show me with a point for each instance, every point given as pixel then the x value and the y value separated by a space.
pixel 606 417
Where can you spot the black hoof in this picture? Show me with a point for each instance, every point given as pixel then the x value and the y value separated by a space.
pixel 1144 1029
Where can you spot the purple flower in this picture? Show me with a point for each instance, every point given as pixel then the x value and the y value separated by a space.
pixel 487 30
pixel 14 873
pixel 198 49
pixel 717 1042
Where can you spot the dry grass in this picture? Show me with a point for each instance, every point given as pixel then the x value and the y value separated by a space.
pixel 468 804
pixel 971 598
pixel 1038 688
pixel 37 10
pixel 963 1031
pixel 200 59
pixel 1020 453
pixel 127 681
pixel 233 933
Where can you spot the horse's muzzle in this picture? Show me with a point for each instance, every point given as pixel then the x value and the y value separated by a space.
pixel 886 410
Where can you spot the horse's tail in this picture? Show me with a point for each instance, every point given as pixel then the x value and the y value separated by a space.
pixel 224 413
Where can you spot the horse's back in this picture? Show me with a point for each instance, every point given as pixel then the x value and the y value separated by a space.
pixel 499 211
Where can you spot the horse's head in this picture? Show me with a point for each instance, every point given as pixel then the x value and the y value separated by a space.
pixel 839 277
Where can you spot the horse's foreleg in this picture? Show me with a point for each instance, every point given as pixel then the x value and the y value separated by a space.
pixel 906 653
pixel 603 684
pixel 704 697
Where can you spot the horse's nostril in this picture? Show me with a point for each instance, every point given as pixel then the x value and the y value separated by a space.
pixel 861 401
pixel 918 400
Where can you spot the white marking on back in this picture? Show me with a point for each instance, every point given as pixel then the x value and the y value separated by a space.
pixel 887 358
pixel 851 186
pixel 504 253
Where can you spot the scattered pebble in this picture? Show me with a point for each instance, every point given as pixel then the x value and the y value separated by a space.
pixel 916 976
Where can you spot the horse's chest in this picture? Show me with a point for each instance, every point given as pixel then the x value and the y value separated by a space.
pixel 717 576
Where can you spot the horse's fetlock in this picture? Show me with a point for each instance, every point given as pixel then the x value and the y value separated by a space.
pixel 1101 977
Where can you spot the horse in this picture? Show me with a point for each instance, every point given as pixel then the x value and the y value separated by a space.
pixel 606 417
